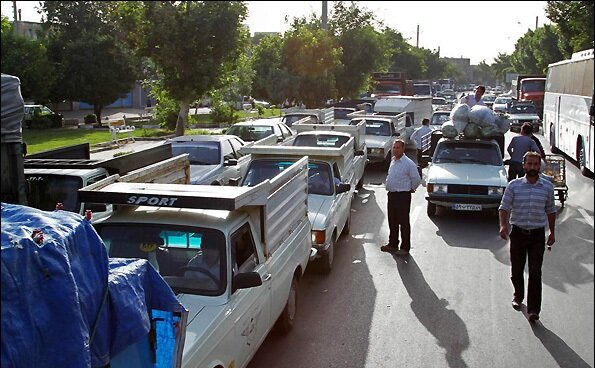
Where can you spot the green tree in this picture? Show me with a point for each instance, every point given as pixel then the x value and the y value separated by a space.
pixel 28 60
pixel 91 64
pixel 363 51
pixel 535 50
pixel 575 23
pixel 191 43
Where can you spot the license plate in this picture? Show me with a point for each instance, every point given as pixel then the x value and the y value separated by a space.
pixel 466 207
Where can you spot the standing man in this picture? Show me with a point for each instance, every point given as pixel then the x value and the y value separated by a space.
pixel 475 99
pixel 417 136
pixel 530 202
pixel 517 148
pixel 401 181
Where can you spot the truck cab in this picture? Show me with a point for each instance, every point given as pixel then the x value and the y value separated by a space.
pixel 232 255
pixel 380 134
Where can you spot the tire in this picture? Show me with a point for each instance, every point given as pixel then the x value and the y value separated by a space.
pixel 431 209
pixel 286 320
pixel 347 226
pixel 326 261
pixel 387 160
pixel 581 159
pixel 553 147
pixel 360 183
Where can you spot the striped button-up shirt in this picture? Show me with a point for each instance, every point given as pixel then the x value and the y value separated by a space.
pixel 528 204
pixel 402 175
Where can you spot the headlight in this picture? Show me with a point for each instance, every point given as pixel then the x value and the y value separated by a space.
pixel 499 191
pixel 439 188
pixel 377 151
pixel 318 236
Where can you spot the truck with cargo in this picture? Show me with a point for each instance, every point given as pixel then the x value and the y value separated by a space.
pixel 330 192
pixel 56 180
pixel 317 116
pixel 391 84
pixel 417 108
pixel 232 255
pixel 380 134
pixel 313 135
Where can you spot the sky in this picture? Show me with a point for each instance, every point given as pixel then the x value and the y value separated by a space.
pixel 477 30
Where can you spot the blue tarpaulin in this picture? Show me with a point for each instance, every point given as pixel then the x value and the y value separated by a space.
pixel 64 303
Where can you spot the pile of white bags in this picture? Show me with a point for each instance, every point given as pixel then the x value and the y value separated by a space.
pixel 478 121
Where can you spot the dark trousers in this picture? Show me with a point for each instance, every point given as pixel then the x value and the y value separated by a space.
pixel 515 170
pixel 525 245
pixel 399 204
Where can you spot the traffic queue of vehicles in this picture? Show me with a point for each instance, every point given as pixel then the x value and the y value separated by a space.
pixel 234 245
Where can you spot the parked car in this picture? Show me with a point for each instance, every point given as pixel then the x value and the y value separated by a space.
pixel 439 103
pixel 254 130
pixel 502 104
pixel 523 112
pixel 439 118
pixel 488 99
pixel 37 112
pixel 214 159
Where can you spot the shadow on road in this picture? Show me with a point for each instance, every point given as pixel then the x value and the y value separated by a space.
pixel 444 324
pixel 560 351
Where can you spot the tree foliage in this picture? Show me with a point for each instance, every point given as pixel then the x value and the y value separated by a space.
pixel 28 60
pixel 190 43
pixel 575 24
pixel 91 64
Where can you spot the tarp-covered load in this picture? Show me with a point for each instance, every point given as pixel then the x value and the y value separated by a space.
pixel 65 304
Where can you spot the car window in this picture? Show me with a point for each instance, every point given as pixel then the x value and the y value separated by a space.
pixel 320 140
pixel 261 170
pixel 320 179
pixel 285 130
pixel 228 153
pixel 199 153
pixel 377 127
pixel 244 255
pixel 469 154
pixel 520 109
pixel 236 144
pixel 439 119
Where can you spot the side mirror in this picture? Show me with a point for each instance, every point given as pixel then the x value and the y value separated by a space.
pixel 245 280
pixel 342 188
pixel 230 162
pixel 359 152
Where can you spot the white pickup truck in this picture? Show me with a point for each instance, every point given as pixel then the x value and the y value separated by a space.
pixel 232 255
pixel 329 190
pixel 381 132
pixel 316 116
pixel 313 135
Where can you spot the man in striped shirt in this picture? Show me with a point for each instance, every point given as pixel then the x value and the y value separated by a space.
pixel 529 201
pixel 402 180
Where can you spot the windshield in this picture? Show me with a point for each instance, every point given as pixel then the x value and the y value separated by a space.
pixel 319 174
pixel 502 100
pixel 533 85
pixel 482 154
pixel 250 133
pixel 45 191
pixel 191 260
pixel 439 119
pixel 520 109
pixel 377 127
pixel 200 153
pixel 320 140
pixel 422 89
pixel 438 101
pixel 388 88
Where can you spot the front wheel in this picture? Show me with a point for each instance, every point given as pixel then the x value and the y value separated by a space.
pixel 431 209
pixel 326 262
pixel 582 159
pixel 286 320
pixel 553 147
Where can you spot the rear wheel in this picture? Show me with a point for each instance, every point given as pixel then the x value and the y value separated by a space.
pixel 287 318
pixel 553 147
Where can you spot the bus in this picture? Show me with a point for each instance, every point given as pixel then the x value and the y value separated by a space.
pixel 568 108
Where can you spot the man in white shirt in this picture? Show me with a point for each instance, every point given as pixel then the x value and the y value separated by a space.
pixel 402 180
pixel 475 99
pixel 417 136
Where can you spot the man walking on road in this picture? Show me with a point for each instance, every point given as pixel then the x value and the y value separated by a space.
pixel 517 148
pixel 530 202
pixel 417 136
pixel 401 181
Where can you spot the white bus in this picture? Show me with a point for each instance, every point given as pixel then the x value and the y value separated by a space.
pixel 568 108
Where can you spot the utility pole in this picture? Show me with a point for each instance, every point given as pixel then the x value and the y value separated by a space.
pixel 15 22
pixel 324 15
pixel 417 43
pixel 536 19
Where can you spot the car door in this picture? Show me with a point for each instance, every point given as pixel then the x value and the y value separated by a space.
pixel 343 199
pixel 252 306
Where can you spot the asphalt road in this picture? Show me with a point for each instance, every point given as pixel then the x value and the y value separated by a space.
pixel 448 304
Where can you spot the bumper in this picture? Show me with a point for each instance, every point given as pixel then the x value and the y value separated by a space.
pixel 447 201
